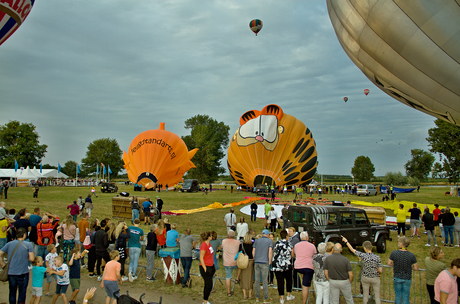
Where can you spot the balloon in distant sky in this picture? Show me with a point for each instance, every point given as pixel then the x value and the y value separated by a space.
pixel 12 15
pixel 271 147
pixel 366 91
pixel 157 156
pixel 345 99
pixel 408 49
pixel 256 25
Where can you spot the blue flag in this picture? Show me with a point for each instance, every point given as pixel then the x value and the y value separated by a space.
pixel 110 171
pixel 59 168
pixel 41 167
pixel 78 169
pixel 97 169
pixel 104 169
pixel 16 166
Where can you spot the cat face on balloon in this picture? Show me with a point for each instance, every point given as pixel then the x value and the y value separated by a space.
pixel 260 127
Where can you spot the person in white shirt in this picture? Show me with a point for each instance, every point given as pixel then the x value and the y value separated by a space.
pixel 230 220
pixel 241 229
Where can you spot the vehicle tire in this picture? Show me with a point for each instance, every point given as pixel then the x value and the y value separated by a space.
pixel 375 193
pixel 381 244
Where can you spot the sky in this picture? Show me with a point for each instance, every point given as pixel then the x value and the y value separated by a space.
pixel 85 70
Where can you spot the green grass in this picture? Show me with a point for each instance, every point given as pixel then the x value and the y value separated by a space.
pixel 56 199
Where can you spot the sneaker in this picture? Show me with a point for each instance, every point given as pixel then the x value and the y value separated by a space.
pixel 92 275
pixel 282 301
pixel 124 278
pixel 84 266
pixel 135 278
pixel 457 245
pixel 451 245
pixel 427 245
pixel 130 277
pixel 267 301
pixel 99 278
pixel 290 298
pixel 150 279
pixel 257 300
pixel 72 302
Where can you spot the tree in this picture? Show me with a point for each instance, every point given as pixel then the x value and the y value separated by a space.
pixel 70 168
pixel 103 151
pixel 420 164
pixel 393 178
pixel 211 138
pixel 445 140
pixel 19 141
pixel 363 169
pixel 437 171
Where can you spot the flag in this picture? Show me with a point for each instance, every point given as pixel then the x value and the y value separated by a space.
pixel 15 166
pixel 78 169
pixel 41 167
pixel 59 168
pixel 110 171
pixel 103 167
pixel 97 169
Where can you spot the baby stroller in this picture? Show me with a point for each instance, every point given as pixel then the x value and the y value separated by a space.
pixel 127 299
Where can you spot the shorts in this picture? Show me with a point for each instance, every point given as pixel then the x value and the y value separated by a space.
pixel 75 284
pixel 77 241
pixel 111 287
pixel 147 212
pixel 307 276
pixel 229 271
pixel 37 291
pixel 61 289
pixel 50 277
pixel 414 223
pixel 436 223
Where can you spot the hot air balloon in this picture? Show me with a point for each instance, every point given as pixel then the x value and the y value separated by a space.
pixel 12 15
pixel 271 147
pixel 256 25
pixel 345 99
pixel 157 156
pixel 409 49
pixel 366 91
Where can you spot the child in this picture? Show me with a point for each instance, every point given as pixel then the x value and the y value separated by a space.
pixel 50 265
pixel 74 272
pixel 111 276
pixel 62 272
pixel 38 274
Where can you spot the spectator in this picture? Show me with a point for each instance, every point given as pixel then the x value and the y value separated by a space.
pixel 304 252
pixel 134 245
pixel 45 234
pixel 230 248
pixel 93 228
pixel 101 242
pixel 267 208
pixel 49 261
pixel 247 275
pixel 445 286
pixel 63 281
pixel 88 205
pixel 428 221
pixel 111 278
pixel 321 283
pixel 122 234
pixel 83 227
pixel 401 220
pixel 93 192
pixel 146 205
pixel 403 262
pixel 4 228
pixel 415 220
pixel 150 250
pixel 448 222
pixel 38 274
pixel 34 219
pixel 74 210
pixel 273 217
pixel 81 204
pixel 206 264
pixel 262 252
pixel 161 234
pixel 167 224
pixel 371 270
pixel 186 246
pixel 282 266
pixel 216 247
pixel 241 228
pixel 111 236
pixel 18 271
pixel 159 205
pixel 230 220
pixel 74 273
pixel 253 211
pixel 22 222
pixel 69 231
pixel 436 213
pixel 457 228
pixel 135 208
pixel 339 272
pixel 172 236
pixel 433 267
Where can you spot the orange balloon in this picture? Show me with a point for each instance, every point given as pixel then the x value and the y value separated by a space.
pixel 272 147
pixel 157 157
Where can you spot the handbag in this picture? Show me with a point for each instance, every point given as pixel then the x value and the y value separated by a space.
pixel 4 272
pixel 87 244
pixel 243 260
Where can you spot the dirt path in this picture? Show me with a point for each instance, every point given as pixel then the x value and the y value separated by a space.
pixel 100 295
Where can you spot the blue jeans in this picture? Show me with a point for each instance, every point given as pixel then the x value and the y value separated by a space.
pixel 253 215
pixel 261 270
pixel 449 231
pixel 74 217
pixel 135 214
pixel 3 242
pixel 42 251
pixel 402 290
pixel 186 264
pixel 134 254
pixel 18 283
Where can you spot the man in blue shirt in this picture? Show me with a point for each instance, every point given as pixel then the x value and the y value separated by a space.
pixel 172 236
pixel 18 270
pixel 262 252
pixel 134 245
pixel 146 205
pixel 34 219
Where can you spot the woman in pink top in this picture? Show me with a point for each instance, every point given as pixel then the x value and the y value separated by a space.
pixel 304 252
pixel 69 231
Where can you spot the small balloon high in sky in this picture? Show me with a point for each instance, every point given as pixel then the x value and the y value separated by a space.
pixel 256 25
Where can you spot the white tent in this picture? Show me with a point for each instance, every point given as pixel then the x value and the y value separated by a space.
pixel 51 173
pixel 27 174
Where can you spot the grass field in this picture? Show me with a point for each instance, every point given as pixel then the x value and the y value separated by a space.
pixel 56 199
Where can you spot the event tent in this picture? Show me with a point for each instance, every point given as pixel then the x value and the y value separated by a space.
pixel 31 174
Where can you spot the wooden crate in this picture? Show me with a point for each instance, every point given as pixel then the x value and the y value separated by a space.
pixel 121 207
pixel 376 215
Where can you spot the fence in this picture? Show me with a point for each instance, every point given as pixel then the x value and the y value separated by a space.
pixel 419 294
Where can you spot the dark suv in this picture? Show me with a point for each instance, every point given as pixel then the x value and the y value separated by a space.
pixel 109 187
pixel 329 223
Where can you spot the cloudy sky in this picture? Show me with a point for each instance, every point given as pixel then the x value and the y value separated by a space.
pixel 85 70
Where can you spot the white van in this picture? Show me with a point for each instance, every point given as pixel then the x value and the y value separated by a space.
pixel 367 190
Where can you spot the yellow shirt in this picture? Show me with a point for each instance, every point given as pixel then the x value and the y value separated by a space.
pixel 400 215
pixel 3 223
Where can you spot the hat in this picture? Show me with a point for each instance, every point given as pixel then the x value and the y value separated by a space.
pixel 265 231
pixel 443 210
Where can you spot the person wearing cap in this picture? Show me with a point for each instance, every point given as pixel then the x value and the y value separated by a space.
pixel 159 205
pixel 262 251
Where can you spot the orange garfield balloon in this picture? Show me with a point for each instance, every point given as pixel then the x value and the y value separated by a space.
pixel 273 148
pixel 157 157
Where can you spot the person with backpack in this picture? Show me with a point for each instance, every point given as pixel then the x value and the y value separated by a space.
pixel 101 242
pixel 135 208
pixel 45 233
pixel 122 234
pixel 91 247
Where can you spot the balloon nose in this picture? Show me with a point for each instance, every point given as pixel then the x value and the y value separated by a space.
pixel 259 138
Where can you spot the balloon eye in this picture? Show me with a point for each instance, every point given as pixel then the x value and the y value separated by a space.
pixel 262 134
pixel 257 133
